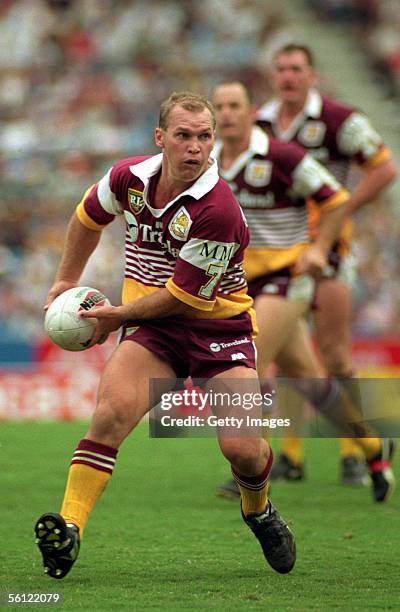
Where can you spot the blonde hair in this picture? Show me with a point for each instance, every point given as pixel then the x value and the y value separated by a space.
pixel 195 103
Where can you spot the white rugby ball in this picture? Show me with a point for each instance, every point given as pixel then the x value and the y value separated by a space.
pixel 62 322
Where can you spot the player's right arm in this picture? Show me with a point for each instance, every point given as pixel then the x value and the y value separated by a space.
pixel 312 180
pixel 97 208
pixel 358 141
pixel 80 243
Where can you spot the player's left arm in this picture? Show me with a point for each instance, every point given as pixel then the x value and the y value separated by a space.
pixel 358 140
pixel 312 180
pixel 314 259
pixel 374 179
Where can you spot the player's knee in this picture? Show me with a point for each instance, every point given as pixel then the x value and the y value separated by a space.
pixel 112 421
pixel 242 454
pixel 338 363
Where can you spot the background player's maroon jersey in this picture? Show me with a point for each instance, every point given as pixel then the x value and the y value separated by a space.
pixel 271 182
pixel 335 134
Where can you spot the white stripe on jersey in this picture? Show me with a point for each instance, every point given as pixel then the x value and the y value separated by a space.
pixel 232 288
pixel 147 266
pixel 309 176
pixel 146 278
pixel 233 280
pixel 106 197
pixel 279 228
pixel 148 261
pixel 356 135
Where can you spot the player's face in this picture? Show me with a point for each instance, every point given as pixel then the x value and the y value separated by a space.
pixel 233 111
pixel 186 143
pixel 292 77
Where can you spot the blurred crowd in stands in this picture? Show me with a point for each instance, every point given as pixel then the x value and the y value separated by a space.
pixel 80 86
pixel 376 23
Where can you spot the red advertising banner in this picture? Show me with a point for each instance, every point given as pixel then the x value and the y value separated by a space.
pixel 62 385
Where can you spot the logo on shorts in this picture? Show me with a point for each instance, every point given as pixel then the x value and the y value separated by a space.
pixel 179 225
pixel 135 200
pixel 215 347
pixel 312 133
pixel 130 330
pixel 238 356
pixel 258 173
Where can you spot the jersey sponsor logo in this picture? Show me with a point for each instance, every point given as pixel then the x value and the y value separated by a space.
pixel 258 173
pixel 238 356
pixel 255 200
pixel 217 250
pixel 209 255
pixel 135 200
pixel 180 223
pixel 132 226
pixel 312 133
pixel 148 233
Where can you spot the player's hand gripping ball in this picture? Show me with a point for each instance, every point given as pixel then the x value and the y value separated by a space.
pixel 62 322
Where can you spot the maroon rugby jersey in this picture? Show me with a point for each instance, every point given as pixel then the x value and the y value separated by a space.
pixel 271 181
pixel 335 134
pixel 194 246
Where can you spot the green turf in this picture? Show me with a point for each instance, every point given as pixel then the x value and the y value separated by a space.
pixel 159 539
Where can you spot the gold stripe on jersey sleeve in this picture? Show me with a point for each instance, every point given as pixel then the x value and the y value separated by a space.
pixel 339 198
pixel 187 298
pixel 84 217
pixel 230 306
pixel 223 307
pixel 381 156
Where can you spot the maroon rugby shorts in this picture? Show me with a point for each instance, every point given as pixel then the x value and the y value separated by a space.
pixel 200 348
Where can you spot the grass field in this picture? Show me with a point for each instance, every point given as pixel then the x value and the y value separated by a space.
pixel 159 539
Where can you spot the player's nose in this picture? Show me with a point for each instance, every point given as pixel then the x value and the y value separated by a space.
pixel 194 146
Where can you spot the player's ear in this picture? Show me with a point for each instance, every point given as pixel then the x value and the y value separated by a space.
pixel 253 112
pixel 158 137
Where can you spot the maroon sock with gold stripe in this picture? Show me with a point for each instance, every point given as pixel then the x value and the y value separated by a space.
pixel 254 489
